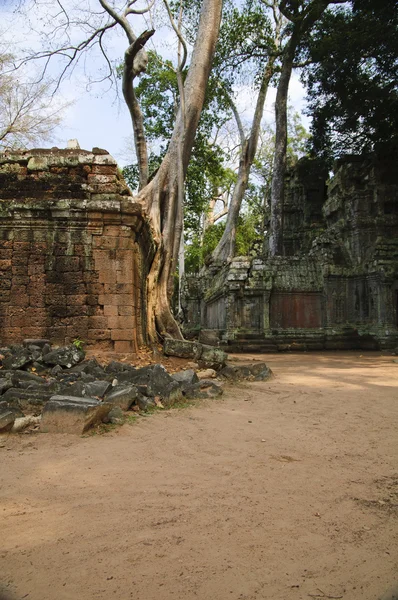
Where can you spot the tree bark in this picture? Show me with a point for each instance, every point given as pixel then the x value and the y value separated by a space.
pixel 130 71
pixel 302 22
pixel 160 196
pixel 225 249
pixel 279 166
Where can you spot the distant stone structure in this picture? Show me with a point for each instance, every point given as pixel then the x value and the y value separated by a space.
pixel 74 249
pixel 336 286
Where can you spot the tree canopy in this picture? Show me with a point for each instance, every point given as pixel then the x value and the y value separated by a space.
pixel 352 79
pixel 179 108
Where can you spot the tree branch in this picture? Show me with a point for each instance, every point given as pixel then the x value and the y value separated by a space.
pixel 178 34
pixel 137 11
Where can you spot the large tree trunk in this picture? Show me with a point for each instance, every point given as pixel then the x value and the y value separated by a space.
pixel 160 197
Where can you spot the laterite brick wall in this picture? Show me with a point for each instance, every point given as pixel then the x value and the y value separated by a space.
pixel 74 250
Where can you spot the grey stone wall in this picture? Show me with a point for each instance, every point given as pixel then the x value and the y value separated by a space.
pixel 336 286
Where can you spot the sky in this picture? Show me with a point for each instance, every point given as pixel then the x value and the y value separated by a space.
pixel 103 121
pixel 97 117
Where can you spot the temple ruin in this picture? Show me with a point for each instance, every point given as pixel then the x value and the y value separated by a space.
pixel 74 249
pixel 336 285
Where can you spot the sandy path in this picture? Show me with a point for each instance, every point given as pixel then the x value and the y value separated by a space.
pixel 284 490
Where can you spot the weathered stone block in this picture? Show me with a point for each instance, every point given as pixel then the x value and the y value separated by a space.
pixel 181 348
pixel 185 378
pixel 66 357
pixel 8 415
pixel 124 346
pixel 123 396
pixel 208 355
pixel 70 414
pixel 206 388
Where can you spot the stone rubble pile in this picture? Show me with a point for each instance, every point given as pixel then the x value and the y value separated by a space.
pixel 59 390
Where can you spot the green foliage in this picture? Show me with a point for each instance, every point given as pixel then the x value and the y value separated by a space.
pixel 248 231
pixel 297 141
pixel 199 248
pixel 78 343
pixel 351 84
pixel 245 41
pixel 157 92
pixel 297 138
pixel 131 174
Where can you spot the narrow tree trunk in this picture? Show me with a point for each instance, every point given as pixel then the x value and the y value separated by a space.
pixel 279 165
pixel 226 247
pixel 302 22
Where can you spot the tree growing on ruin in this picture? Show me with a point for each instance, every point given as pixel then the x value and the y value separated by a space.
pixel 161 196
pixel 301 16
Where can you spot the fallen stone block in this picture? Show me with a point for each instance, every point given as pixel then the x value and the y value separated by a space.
pixel 18 376
pixel 122 396
pixel 19 357
pixel 181 348
pixel 93 389
pixel 212 357
pixel 56 370
pixel 70 414
pixel 117 367
pixel 185 378
pixel 229 372
pixel 207 356
pixel 260 371
pixel 144 403
pixel 171 394
pixel 210 337
pixel 23 397
pixel 97 388
pixel 90 367
pixel 67 356
pixel 253 372
pixel 8 415
pixel 206 388
pixel 74 389
pixel 157 382
pixel 5 384
pixel 115 416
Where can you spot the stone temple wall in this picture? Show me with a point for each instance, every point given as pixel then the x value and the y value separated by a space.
pixel 74 248
pixel 337 284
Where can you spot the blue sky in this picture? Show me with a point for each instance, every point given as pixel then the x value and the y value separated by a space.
pixel 97 117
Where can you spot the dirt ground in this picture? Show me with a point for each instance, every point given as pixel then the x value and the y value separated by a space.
pixel 282 490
